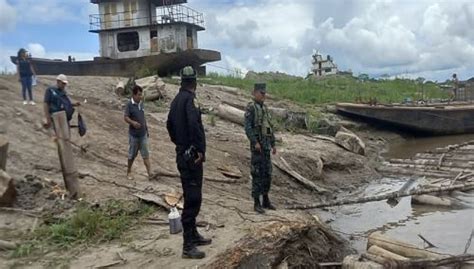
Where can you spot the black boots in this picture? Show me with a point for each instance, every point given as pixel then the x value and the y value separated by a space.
pixel 257 206
pixel 198 240
pixel 191 252
pixel 266 203
pixel 192 239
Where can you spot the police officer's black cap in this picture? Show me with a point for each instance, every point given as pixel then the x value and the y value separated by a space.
pixel 261 87
pixel 188 73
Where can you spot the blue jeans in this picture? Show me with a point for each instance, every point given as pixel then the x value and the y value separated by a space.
pixel 26 86
pixel 138 144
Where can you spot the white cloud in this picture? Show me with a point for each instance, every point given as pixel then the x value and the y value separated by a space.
pixel 382 36
pixel 7 16
pixel 36 50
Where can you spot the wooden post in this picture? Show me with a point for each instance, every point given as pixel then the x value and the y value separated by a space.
pixel 3 152
pixel 66 158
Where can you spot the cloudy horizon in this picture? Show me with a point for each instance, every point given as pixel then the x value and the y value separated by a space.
pixel 427 38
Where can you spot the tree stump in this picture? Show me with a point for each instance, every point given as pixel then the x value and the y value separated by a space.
pixel 66 158
pixel 7 189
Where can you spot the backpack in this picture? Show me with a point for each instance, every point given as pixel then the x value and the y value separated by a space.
pixel 81 125
pixel 60 103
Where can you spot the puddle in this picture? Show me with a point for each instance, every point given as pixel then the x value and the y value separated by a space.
pixel 449 230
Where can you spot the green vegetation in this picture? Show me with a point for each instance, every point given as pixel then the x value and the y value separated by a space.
pixel 338 89
pixel 85 226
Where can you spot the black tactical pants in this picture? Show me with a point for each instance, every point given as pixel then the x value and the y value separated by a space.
pixel 261 171
pixel 191 181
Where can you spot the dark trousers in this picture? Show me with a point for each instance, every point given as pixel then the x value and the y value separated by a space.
pixel 261 171
pixel 191 181
pixel 26 87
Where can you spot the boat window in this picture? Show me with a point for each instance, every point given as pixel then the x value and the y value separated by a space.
pixel 128 41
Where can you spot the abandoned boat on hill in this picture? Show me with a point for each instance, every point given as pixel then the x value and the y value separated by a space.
pixel 437 119
pixel 138 35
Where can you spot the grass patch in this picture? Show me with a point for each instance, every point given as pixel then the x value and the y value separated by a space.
pixel 85 226
pixel 334 89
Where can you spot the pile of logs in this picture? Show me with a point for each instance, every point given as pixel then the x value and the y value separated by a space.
pixel 438 168
pixel 386 252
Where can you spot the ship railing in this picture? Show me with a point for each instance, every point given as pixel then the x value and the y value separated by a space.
pixel 164 15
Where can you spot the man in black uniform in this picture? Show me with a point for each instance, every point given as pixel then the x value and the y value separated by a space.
pixel 187 133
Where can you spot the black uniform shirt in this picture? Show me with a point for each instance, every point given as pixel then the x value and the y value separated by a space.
pixel 184 123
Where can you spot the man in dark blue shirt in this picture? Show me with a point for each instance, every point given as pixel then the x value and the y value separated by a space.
pixel 56 99
pixel 138 130
pixel 185 128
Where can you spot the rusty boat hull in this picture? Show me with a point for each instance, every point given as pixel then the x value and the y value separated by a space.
pixel 435 119
pixel 163 63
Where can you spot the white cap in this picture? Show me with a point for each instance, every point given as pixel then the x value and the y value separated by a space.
pixel 62 78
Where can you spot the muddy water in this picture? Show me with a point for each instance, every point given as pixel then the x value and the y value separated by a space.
pixel 410 146
pixel 448 229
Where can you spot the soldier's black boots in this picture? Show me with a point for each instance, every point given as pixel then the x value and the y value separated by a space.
pixel 266 203
pixel 258 207
pixel 198 240
pixel 191 252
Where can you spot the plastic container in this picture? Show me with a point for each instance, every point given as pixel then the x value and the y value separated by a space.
pixel 175 221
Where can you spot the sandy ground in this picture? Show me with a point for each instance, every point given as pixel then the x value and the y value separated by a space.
pixel 32 153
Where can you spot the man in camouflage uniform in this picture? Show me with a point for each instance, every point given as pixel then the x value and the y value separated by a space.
pixel 259 130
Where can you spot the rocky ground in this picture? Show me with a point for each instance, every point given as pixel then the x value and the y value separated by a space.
pixel 227 207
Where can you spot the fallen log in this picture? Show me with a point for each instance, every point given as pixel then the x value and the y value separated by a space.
pixel 155 93
pixel 158 173
pixel 285 167
pixel 6 245
pixel 400 248
pixel 231 114
pixel 397 171
pixel 376 250
pixel 392 195
pixel 3 152
pixel 236 114
pixel 426 199
pixel 435 263
pixel 354 262
pixel 433 163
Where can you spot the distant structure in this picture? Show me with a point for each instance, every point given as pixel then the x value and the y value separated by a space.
pixel 138 28
pixel 323 67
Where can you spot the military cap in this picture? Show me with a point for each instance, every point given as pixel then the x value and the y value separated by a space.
pixel 188 73
pixel 261 87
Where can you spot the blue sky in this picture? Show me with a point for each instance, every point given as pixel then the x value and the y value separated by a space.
pixel 429 38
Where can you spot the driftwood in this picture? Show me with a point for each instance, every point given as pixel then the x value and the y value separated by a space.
pixel 433 163
pixel 285 167
pixel 66 157
pixel 235 113
pixel 158 173
pixel 426 199
pixel 401 248
pixel 152 198
pixel 392 195
pixel 6 245
pixel 376 250
pixel 3 152
pixel 354 262
pixel 392 170
pixel 264 247
pixel 155 93
pixel 231 114
pixel 434 263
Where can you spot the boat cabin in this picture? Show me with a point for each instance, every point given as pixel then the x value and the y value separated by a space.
pixel 139 28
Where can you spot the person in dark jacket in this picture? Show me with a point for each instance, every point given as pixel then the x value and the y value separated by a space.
pixel 25 73
pixel 56 99
pixel 186 131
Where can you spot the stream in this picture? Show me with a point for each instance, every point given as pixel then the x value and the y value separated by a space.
pixel 447 229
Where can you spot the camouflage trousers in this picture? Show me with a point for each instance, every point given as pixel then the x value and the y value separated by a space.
pixel 261 171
